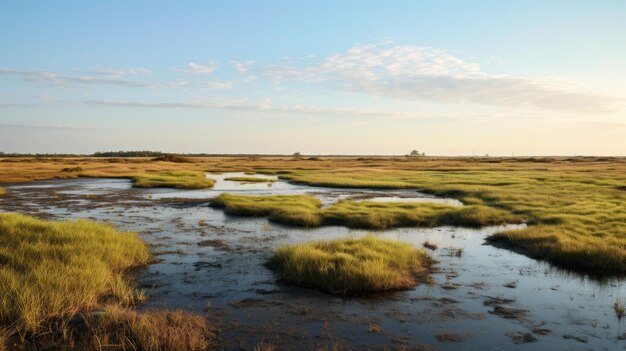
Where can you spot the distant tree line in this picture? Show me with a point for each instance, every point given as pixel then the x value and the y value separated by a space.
pixel 143 153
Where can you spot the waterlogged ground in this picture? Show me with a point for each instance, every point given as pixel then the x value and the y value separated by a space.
pixel 483 298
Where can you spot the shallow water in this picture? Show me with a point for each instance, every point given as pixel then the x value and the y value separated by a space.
pixel 210 261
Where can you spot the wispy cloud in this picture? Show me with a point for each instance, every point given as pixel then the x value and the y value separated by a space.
pixel 263 105
pixel 8 126
pixel 430 74
pixel 201 69
pixel 110 78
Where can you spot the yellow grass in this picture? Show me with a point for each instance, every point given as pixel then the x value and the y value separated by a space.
pixel 352 266
pixel 52 270
pixel 174 179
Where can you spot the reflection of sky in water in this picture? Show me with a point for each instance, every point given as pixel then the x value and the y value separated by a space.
pixel 190 275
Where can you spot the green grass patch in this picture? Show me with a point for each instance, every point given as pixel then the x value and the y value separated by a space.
pixel 305 210
pixel 174 179
pixel 352 266
pixel 300 210
pixel 53 270
pixel 250 180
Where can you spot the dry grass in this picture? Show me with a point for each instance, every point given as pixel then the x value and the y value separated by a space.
pixel 174 179
pixel 2 191
pixel 123 329
pixel 52 270
pixel 352 265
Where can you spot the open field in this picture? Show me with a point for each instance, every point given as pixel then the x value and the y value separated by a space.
pixel 352 266
pixel 574 206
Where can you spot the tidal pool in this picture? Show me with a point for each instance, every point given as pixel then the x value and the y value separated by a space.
pixel 483 297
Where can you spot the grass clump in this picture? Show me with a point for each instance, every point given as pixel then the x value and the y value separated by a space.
pixel 300 210
pixel 2 191
pixel 125 329
pixel 49 271
pixel 305 210
pixel 352 265
pixel 250 179
pixel 174 179
pixel 382 215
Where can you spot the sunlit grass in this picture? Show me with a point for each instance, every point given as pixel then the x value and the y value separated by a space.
pixel 52 270
pixel 381 215
pixel 576 217
pixel 250 179
pixel 305 210
pixel 293 209
pixel 174 179
pixel 352 265
pixel 2 191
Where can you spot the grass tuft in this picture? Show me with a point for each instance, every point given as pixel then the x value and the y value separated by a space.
pixel 125 329
pixel 352 265
pixel 2 191
pixel 174 179
pixel 53 270
pixel 250 179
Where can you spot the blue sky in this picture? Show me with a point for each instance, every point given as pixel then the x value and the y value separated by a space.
pixel 323 77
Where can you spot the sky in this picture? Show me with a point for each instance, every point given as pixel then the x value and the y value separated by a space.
pixel 319 77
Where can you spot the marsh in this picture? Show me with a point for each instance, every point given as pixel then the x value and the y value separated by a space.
pixel 213 263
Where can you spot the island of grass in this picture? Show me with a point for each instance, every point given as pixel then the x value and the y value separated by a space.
pixel 575 213
pixel 302 210
pixel 174 179
pixel 250 180
pixel 53 272
pixel 353 265
pixel 305 210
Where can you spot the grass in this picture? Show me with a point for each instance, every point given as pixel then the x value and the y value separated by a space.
pixel 304 210
pixel 619 309
pixel 352 265
pixel 174 179
pixel 575 214
pixel 2 191
pixel 574 205
pixel 293 209
pixel 250 179
pixel 52 270
pixel 124 329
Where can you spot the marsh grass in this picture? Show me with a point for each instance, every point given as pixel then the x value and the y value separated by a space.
pixel 305 210
pixel 619 309
pixel 250 180
pixel 568 201
pixel 49 271
pixel 352 265
pixel 575 214
pixel 120 328
pixel 174 179
pixel 2 191
pixel 300 210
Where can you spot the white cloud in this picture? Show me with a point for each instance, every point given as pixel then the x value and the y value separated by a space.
pixel 433 75
pixel 202 69
pixel 242 66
